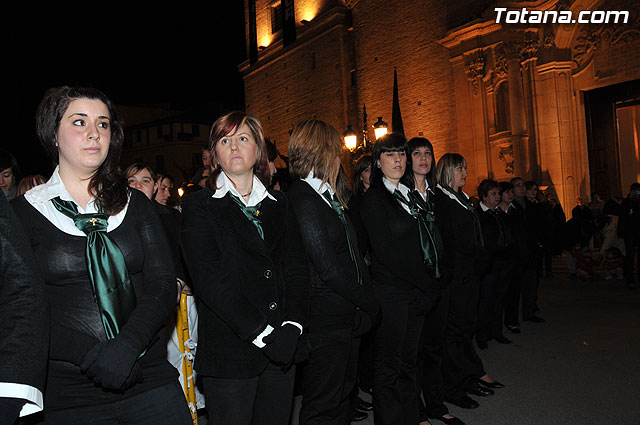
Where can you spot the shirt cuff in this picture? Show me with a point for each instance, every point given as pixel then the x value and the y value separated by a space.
pixel 32 396
pixel 258 341
pixel 296 324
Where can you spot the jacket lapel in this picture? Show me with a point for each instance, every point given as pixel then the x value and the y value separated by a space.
pixel 229 216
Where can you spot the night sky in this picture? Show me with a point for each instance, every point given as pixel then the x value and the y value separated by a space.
pixel 186 57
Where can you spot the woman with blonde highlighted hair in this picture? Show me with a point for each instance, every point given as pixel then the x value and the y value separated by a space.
pixel 342 306
pixel 243 250
pixel 465 261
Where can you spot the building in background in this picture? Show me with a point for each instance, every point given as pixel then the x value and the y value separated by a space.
pixel 169 141
pixel 556 103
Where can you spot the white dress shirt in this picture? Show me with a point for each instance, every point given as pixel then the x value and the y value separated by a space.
pixel 404 190
pixel 320 187
pixel 40 198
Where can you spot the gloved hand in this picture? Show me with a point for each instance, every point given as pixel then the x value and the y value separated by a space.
pixel 110 364
pixel 281 344
pixel 362 323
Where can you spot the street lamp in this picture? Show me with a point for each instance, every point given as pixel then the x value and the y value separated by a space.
pixel 379 128
pixel 350 139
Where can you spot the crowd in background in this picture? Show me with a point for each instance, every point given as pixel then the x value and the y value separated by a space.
pixel 390 284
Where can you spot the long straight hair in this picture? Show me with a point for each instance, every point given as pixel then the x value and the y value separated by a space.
pixel 107 184
pixel 446 167
pixel 422 142
pixel 228 125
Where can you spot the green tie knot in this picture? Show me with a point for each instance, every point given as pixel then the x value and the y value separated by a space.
pixel 90 223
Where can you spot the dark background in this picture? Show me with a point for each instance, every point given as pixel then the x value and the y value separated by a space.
pixel 188 58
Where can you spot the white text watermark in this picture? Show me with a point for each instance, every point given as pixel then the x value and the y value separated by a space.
pixel 526 16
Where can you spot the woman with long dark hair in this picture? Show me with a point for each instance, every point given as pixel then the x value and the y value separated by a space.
pixel 242 245
pixel 422 163
pixel 402 281
pixel 109 278
pixel 464 260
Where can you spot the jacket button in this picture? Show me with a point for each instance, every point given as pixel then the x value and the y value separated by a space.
pixel 267 273
pixel 273 306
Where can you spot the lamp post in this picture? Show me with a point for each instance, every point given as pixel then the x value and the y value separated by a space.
pixel 380 128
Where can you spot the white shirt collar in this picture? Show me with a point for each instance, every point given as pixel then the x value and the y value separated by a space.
pixel 55 187
pixel 391 187
pixel 317 185
pixel 483 206
pixel 258 191
pixel 451 195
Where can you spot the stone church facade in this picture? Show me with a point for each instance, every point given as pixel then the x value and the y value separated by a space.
pixel 558 103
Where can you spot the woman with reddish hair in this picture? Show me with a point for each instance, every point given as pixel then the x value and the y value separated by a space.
pixel 245 255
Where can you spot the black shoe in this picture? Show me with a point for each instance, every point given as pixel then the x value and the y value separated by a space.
pixel 534 319
pixel 494 384
pixel 502 339
pixel 482 344
pixel 364 406
pixel 464 402
pixel 513 328
pixel 358 415
pixel 450 421
pixel 478 390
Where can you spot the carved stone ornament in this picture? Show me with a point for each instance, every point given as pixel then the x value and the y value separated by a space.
pixel 505 154
pixel 596 36
pixel 474 69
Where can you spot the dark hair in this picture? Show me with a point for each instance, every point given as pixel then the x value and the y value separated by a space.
pixel 163 176
pixel 391 142
pixel 136 167
pixel 515 179
pixel 361 164
pixel 529 184
pixel 7 160
pixel 272 151
pixel 505 187
pixel 422 142
pixel 485 186
pixel 107 184
pixel 229 124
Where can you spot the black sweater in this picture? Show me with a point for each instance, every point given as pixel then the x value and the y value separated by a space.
pixel 397 266
pixel 61 258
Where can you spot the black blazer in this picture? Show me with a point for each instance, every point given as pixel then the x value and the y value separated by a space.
pixel 463 257
pixel 242 282
pixel 334 282
pixel 394 239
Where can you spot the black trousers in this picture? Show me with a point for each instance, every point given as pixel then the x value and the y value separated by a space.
pixel 461 363
pixel 262 400
pixel 396 343
pixel 162 405
pixel 431 358
pixel 512 297
pixel 329 376
pixel 530 281
pixel 492 291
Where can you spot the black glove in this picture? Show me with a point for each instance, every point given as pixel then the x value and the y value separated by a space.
pixel 281 344
pixel 363 323
pixel 110 363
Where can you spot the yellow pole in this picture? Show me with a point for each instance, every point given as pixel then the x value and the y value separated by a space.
pixel 182 326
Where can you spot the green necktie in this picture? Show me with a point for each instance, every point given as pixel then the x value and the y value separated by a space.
pixel 426 228
pixel 110 281
pixel 352 241
pixel 252 213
